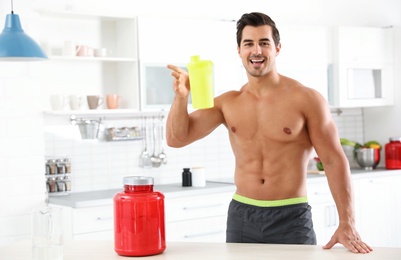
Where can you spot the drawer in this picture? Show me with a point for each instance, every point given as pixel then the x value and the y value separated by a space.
pixel 92 219
pixel 197 230
pixel 319 193
pixel 197 206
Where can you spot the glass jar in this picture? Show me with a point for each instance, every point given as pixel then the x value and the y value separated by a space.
pixel 52 166
pixel 67 164
pixel 139 224
pixel 393 153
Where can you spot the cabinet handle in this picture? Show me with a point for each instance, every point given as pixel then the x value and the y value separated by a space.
pixel 334 215
pixel 202 206
pixel 327 216
pixel 204 234
pixel 104 218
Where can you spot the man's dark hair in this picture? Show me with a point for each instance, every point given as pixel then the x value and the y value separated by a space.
pixel 256 19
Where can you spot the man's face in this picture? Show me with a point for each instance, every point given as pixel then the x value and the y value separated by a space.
pixel 257 50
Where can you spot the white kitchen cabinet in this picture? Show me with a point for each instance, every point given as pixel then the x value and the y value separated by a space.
pixel 173 40
pixel 301 60
pixel 362 70
pixel 324 211
pixel 197 218
pixel 88 223
pixel 378 205
pixel 116 73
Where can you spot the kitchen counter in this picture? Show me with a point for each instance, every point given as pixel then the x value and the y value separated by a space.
pixel 104 250
pixel 105 197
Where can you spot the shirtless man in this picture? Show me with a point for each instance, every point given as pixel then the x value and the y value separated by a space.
pixel 273 122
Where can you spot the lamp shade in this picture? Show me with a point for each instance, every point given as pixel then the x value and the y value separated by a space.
pixel 15 45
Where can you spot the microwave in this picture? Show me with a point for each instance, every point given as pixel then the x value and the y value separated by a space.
pixel 156 86
pixel 361 85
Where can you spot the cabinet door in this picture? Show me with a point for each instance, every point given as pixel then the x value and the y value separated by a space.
pixel 397 205
pixel 325 221
pixel 362 73
pixel 376 215
pixel 92 219
pixel 324 211
pixel 365 44
pixel 303 61
pixel 195 207
pixel 165 41
pixel 211 229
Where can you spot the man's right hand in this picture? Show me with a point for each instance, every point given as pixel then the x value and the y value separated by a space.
pixel 181 81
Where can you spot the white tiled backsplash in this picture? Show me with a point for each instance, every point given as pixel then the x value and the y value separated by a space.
pixel 97 165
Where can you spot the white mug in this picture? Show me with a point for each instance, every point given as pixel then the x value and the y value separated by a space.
pixel 57 102
pixel 70 48
pixel 75 102
pixel 100 52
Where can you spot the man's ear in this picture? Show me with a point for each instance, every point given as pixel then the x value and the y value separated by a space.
pixel 278 48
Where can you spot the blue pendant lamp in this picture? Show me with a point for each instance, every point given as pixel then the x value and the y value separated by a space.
pixel 15 45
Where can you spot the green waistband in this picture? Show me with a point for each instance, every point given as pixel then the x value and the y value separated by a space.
pixel 270 203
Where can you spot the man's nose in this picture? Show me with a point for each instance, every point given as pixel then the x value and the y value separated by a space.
pixel 257 49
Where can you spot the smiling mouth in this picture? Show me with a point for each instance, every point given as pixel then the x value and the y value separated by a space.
pixel 257 61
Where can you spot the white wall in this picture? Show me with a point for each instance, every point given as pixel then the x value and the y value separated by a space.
pixel 22 91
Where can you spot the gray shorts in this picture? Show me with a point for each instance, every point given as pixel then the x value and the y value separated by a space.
pixel 289 224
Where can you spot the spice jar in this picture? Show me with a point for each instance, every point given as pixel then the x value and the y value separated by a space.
pixel 52 186
pixel 60 166
pixel 60 184
pixel 139 228
pixel 52 166
pixel 393 153
pixel 67 164
pixel 67 182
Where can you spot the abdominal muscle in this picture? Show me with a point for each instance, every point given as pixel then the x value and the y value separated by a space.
pixel 272 175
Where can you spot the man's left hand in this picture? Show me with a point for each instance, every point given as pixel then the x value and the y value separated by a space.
pixel 349 238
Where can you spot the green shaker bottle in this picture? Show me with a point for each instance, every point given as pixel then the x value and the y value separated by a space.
pixel 201 81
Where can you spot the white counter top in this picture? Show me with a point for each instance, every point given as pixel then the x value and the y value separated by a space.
pixel 105 197
pixel 104 250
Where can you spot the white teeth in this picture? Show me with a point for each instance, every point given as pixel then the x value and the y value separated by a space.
pixel 257 60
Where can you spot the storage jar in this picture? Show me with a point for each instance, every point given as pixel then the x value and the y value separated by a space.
pixel 139 222
pixel 393 153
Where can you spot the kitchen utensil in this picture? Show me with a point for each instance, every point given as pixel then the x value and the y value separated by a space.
pixel 144 158
pixel 162 155
pixel 156 161
pixel 367 158
pixel 89 129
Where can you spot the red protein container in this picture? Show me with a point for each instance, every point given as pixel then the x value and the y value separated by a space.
pixel 139 224
pixel 393 153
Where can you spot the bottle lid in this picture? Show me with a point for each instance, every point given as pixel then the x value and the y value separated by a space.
pixel 186 169
pixel 395 139
pixel 138 180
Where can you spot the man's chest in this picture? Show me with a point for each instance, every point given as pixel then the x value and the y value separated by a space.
pixel 277 121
